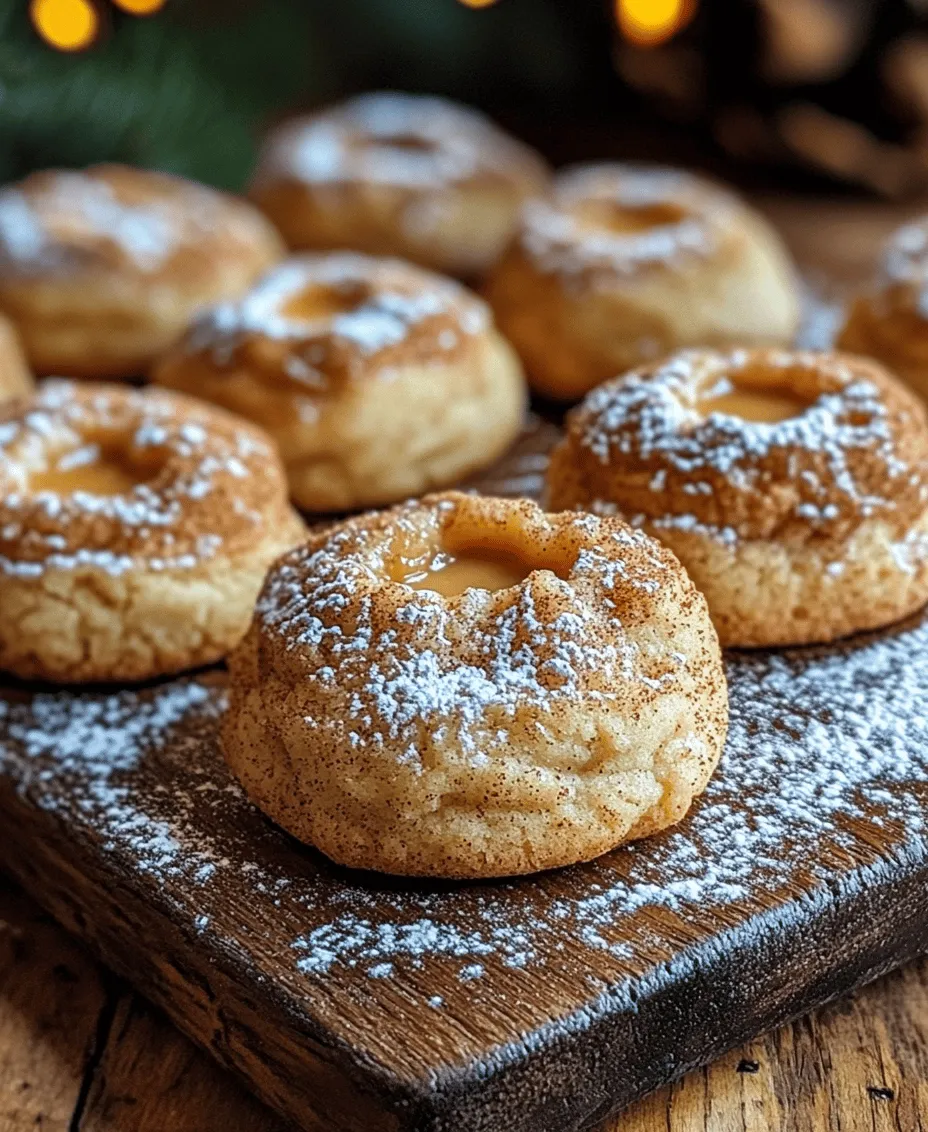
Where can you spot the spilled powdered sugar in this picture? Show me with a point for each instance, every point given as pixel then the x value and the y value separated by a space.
pixel 96 743
pixel 818 737
pixel 813 741
pixel 522 473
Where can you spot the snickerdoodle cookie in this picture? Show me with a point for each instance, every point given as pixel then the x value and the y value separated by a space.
pixel 468 687
pixel 102 269
pixel 408 175
pixel 793 486
pixel 377 379
pixel 135 531
pixel 621 264
pixel 15 378
pixel 889 320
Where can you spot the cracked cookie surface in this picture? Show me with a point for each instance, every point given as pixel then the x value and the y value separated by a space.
pixel 378 380
pixel 799 529
pixel 477 732
pixel 135 531
pixel 621 263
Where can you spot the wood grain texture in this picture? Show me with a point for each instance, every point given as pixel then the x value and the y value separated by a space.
pixel 357 1002
pixel 53 1005
pixel 859 1065
pixel 352 1002
pixel 81 1052
pixel 150 1079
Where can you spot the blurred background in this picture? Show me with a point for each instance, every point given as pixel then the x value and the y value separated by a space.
pixel 819 94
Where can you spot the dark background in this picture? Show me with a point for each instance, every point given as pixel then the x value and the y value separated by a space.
pixel 823 94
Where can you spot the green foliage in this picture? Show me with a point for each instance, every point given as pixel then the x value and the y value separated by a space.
pixel 189 89
pixel 181 92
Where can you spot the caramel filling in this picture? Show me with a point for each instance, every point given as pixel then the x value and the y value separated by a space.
pixel 89 470
pixel 450 574
pixel 317 303
pixel 630 218
pixel 762 405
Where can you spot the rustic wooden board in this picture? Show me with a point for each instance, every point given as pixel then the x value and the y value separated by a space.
pixel 356 1002
pixel 80 1051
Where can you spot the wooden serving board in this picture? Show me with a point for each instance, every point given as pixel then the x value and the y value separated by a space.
pixel 354 1002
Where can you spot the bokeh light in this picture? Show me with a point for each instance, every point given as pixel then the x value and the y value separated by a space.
pixel 68 25
pixel 650 22
pixel 140 7
pixel 478 3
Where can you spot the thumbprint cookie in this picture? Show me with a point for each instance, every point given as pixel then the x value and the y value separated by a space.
pixel 136 528
pixel 621 264
pixel 378 380
pixel 102 269
pixel 408 175
pixel 466 686
pixel 793 486
pixel 15 378
pixel 889 320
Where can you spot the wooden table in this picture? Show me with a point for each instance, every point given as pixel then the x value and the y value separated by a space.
pixel 80 1052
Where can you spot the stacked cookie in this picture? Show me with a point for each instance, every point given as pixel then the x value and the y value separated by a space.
pixel 457 686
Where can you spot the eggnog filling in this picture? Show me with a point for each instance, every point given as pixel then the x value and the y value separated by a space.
pixel 625 218
pixel 765 406
pixel 89 469
pixel 319 302
pixel 451 574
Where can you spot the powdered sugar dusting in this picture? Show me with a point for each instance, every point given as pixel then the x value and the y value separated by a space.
pixel 838 458
pixel 408 687
pixel 568 233
pixel 36 234
pixel 820 739
pixel 414 142
pixel 181 459
pixel 97 741
pixel 366 306
pixel 905 262
pixel 815 741
pixel 116 217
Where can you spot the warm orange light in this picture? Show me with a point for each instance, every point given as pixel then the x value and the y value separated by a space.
pixel 68 25
pixel 650 22
pixel 478 3
pixel 140 7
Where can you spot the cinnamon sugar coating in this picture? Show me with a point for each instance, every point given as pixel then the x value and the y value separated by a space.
pixel 377 379
pixel 15 378
pixel 408 175
pixel 889 319
pixel 157 576
pixel 486 734
pixel 805 529
pixel 620 264
pixel 102 269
